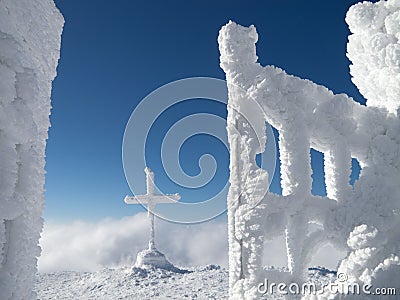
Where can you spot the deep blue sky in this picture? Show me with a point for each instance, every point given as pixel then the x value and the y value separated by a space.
pixel 114 53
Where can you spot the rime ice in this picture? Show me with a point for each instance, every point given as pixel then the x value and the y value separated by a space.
pixel 30 33
pixel 151 256
pixel 365 220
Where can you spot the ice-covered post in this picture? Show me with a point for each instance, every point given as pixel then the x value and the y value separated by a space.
pixel 246 135
pixel 151 199
pixel 30 38
pixel 363 219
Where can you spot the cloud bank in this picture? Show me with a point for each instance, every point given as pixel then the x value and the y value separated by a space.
pixel 90 246
pixel 85 246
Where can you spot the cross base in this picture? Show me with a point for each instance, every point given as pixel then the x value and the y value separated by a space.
pixel 153 258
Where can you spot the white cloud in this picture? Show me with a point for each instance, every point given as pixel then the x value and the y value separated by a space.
pixel 84 246
pixel 326 256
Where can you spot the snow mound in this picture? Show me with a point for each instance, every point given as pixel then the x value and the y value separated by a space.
pixel 152 258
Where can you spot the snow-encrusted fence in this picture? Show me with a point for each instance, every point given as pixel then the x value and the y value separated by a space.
pixel 30 34
pixel 363 220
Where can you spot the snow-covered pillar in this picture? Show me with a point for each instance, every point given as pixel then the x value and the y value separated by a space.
pixel 234 201
pixel 246 135
pixel 337 167
pixel 30 35
pixel 295 160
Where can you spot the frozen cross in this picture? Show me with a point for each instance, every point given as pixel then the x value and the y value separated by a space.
pixel 151 199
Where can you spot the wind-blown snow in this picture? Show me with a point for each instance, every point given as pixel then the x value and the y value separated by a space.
pixel 30 33
pixel 308 115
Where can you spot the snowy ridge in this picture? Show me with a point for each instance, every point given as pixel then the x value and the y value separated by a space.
pixel 30 33
pixel 364 220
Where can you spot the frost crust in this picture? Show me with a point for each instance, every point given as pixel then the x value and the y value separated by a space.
pixel 30 33
pixel 363 220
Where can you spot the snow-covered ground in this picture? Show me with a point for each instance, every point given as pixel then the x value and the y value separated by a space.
pixel 209 282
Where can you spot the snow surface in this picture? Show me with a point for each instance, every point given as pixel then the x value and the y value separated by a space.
pixel 134 283
pixel 30 34
pixel 363 221
pixel 209 282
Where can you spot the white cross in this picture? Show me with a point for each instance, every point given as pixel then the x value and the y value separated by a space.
pixel 151 200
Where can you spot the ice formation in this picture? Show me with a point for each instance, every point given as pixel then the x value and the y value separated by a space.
pixel 363 220
pixel 151 257
pixel 30 33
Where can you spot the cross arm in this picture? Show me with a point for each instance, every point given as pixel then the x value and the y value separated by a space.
pixel 154 199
